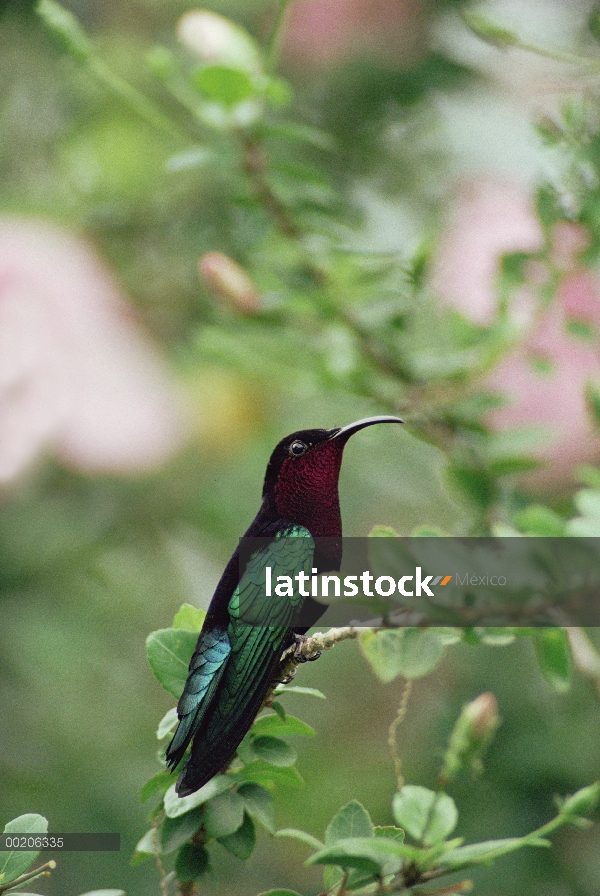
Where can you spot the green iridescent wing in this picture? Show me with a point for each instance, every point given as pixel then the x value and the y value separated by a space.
pixel 258 630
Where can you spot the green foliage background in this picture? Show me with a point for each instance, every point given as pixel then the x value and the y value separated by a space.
pixel 91 565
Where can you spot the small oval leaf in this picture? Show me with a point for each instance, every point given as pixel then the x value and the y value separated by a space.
pixel 351 820
pixel 13 863
pixel 224 814
pixel 427 816
pixel 274 751
pixel 169 652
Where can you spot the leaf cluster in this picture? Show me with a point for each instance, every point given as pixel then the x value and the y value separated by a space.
pixel 226 809
pixel 15 865
pixel 363 858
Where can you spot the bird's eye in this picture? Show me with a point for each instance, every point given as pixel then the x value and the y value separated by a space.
pixel 298 448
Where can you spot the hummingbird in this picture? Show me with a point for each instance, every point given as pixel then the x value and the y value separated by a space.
pixel 235 662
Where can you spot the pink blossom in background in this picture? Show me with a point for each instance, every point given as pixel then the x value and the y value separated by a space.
pixel 78 376
pixel 488 219
pixel 544 379
pixel 324 33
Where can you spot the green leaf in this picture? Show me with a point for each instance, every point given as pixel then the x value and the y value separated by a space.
pixel 299 133
pixel 282 689
pixel 12 863
pixel 196 157
pixel 554 656
pixel 539 520
pixel 332 875
pixel 191 862
pixel 264 773
pixel 224 814
pixel 169 652
pixel 144 847
pixel 410 652
pixel 302 836
pixel 99 893
pixel 352 820
pixel 373 855
pixel 581 803
pixel 474 483
pixel 174 832
pixel 278 92
pixel 274 751
pixel 275 726
pixel 278 708
pixel 66 28
pixel 225 85
pixel 514 269
pixel 594 22
pixel 508 466
pixel 259 804
pixel 245 751
pixel 279 893
pixel 383 532
pixel 390 832
pixel 428 532
pixel 159 783
pixel 176 806
pixel 241 843
pixel 582 329
pixel 589 475
pixel 189 617
pixel 167 723
pixel 484 853
pixel 496 637
pixel 489 31
pixel 427 816
pixel 592 396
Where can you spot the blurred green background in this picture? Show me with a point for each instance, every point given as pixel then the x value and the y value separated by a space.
pixel 90 564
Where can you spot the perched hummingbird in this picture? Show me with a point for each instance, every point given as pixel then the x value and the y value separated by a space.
pixel 234 662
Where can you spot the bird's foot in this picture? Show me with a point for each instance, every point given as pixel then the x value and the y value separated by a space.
pixel 300 639
pixel 289 678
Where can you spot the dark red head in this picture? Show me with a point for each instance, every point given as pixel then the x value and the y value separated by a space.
pixel 302 476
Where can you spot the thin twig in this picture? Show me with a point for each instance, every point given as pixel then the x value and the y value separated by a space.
pixel 164 883
pixel 43 871
pixel 307 650
pixel 393 733
pixel 256 168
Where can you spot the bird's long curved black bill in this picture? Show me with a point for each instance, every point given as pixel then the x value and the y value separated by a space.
pixel 346 431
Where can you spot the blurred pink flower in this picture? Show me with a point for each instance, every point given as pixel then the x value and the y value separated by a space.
pixel 488 219
pixel 324 33
pixel 544 379
pixel 77 374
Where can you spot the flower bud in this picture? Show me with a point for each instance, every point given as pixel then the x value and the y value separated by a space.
pixel 471 736
pixel 230 282
pixel 216 40
pixel 488 31
pixel 482 715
